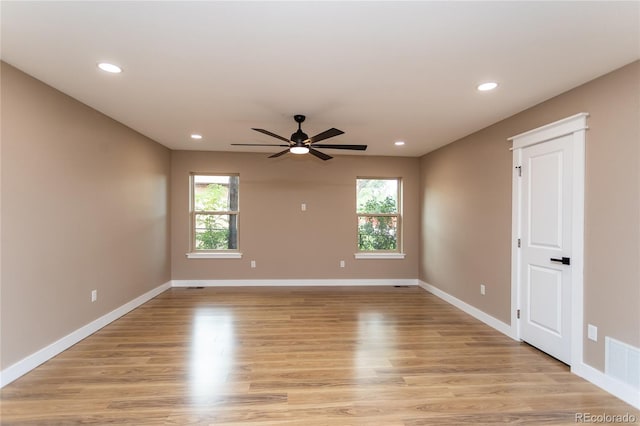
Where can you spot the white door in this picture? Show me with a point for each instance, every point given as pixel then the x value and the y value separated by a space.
pixel 545 263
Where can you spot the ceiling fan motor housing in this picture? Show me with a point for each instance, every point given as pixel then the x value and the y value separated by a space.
pixel 299 137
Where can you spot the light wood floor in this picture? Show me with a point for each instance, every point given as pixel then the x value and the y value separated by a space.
pixel 301 356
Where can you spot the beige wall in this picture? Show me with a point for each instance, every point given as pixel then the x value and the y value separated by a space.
pixel 466 209
pixel 285 242
pixel 84 206
pixel 466 221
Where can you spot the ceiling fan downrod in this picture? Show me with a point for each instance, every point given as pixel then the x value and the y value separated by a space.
pixel 299 137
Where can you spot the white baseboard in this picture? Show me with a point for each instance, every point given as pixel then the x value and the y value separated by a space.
pixel 621 390
pixel 471 310
pixel 27 364
pixel 292 283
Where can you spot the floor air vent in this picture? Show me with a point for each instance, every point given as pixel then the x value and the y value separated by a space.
pixel 622 362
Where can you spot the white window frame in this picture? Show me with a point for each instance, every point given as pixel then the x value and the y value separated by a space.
pixel 382 254
pixel 211 254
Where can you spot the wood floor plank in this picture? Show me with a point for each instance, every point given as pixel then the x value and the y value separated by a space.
pixel 301 356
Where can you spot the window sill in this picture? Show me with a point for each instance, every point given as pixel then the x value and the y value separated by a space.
pixel 379 255
pixel 216 255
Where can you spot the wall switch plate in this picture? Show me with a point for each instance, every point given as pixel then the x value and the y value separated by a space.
pixel 303 207
pixel 483 290
pixel 592 332
pixel 342 263
pixel 94 295
pixel 253 263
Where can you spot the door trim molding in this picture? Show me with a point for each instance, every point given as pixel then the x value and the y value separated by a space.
pixel 554 130
pixel 575 125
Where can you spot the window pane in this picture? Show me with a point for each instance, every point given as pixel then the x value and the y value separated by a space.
pixel 377 233
pixel 216 232
pixel 215 193
pixel 377 195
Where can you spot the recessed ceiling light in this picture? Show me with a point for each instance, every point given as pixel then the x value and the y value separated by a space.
pixel 484 87
pixel 398 143
pixel 105 66
pixel 196 136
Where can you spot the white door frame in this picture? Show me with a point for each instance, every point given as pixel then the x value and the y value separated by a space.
pixel 576 125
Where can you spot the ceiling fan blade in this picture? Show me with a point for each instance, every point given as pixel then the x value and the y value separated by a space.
pixel 325 135
pixel 319 154
pixel 266 132
pixel 355 147
pixel 279 154
pixel 255 144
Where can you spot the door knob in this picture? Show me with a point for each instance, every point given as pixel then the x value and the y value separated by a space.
pixel 564 260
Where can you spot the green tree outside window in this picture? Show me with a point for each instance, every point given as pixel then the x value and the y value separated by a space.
pixel 378 214
pixel 215 212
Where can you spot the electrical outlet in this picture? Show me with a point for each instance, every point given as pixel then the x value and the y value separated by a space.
pixel 94 295
pixel 253 263
pixel 342 263
pixel 303 207
pixel 483 290
pixel 592 332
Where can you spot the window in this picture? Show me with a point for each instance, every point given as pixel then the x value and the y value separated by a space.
pixel 378 211
pixel 214 212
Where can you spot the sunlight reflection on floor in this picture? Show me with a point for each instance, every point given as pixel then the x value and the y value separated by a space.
pixel 212 352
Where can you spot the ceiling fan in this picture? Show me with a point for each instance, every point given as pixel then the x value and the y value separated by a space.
pixel 300 143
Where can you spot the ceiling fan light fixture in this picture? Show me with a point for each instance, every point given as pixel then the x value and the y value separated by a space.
pixel 299 150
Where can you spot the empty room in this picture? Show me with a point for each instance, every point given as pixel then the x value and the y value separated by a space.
pixel 319 213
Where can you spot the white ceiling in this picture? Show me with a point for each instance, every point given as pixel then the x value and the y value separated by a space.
pixel 379 71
